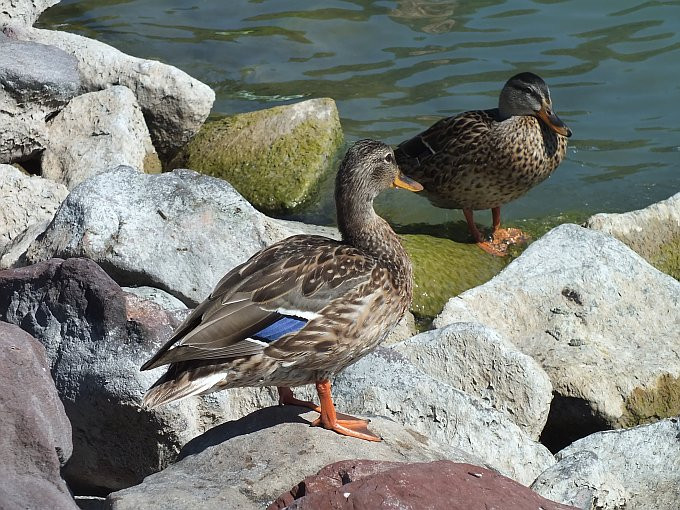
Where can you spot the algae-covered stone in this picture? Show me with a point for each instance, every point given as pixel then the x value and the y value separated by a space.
pixel 653 232
pixel 443 268
pixel 275 158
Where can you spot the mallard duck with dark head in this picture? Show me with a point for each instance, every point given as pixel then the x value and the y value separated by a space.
pixel 303 309
pixel 483 159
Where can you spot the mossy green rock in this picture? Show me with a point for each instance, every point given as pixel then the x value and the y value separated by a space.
pixel 444 268
pixel 653 404
pixel 275 158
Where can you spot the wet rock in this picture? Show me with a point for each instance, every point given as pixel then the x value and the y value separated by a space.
pixel 96 338
pixel 36 80
pixel 96 132
pixel 601 321
pixel 443 268
pixel 275 158
pixel 637 468
pixel 385 383
pixel 355 484
pixel 179 231
pixel 174 104
pixel 480 362
pixel 35 434
pixel 26 201
pixel 23 11
pixel 249 462
pixel 653 232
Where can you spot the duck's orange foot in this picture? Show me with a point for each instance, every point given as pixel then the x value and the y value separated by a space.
pixel 347 426
pixel 286 397
pixel 502 239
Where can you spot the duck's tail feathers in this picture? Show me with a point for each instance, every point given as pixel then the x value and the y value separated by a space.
pixel 168 389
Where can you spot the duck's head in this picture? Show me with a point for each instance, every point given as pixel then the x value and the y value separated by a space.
pixel 368 168
pixel 527 94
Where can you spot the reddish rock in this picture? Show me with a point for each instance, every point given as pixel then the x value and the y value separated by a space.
pixel 354 484
pixel 35 434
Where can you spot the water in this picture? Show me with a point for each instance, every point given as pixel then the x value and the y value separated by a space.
pixel 395 67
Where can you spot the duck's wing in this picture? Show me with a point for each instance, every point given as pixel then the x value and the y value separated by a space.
pixel 450 141
pixel 273 294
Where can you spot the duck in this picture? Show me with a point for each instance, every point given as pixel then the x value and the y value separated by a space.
pixel 303 309
pixel 483 159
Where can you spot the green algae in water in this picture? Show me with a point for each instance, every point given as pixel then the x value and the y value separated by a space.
pixel 444 268
pixel 652 404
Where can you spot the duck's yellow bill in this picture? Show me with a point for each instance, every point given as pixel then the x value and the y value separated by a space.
pixel 404 182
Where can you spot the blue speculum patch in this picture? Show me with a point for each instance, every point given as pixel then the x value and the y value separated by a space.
pixel 281 327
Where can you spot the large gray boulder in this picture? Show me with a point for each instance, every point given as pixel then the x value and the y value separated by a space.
pixel 247 463
pixel 179 231
pixel 275 158
pixel 175 105
pixel 480 362
pixel 36 80
pixel 35 434
pixel 385 383
pixel 603 323
pixel 26 200
pixel 653 232
pixel 635 469
pixel 96 132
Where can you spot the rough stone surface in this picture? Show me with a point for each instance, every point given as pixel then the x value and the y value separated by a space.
pixel 128 222
pixel 353 484
pixel 23 11
pixel 404 330
pixel 35 434
pixel 602 322
pixel 175 105
pixel 158 296
pixel 247 463
pixel 96 132
pixel 385 383
pixel 275 158
pixel 26 201
pixel 635 469
pixel 36 80
pixel 480 362
pixel 96 338
pixel 653 232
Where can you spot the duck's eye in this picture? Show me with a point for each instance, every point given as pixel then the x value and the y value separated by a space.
pixel 389 158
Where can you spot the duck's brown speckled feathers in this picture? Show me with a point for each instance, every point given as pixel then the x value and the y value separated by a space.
pixel 350 293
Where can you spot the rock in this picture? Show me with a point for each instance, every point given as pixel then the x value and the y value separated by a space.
pixel 198 226
pixel 35 435
pixel 653 232
pixel 443 268
pixel 404 330
pixel 600 320
pixel 96 338
pixel 247 463
pixel 638 468
pixel 355 484
pixel 385 383
pixel 175 105
pixel 158 296
pixel 26 201
pixel 36 80
pixel 23 11
pixel 275 158
pixel 96 132
pixel 480 362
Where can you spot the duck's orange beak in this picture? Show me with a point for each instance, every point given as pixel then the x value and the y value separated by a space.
pixel 405 182
pixel 547 115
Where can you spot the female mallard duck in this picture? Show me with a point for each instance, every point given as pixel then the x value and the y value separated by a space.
pixel 303 309
pixel 486 158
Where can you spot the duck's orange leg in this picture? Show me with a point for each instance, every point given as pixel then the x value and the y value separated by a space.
pixel 487 246
pixel 346 425
pixel 286 397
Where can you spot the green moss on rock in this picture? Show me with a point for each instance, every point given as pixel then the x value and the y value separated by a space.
pixel 645 405
pixel 445 268
pixel 667 257
pixel 275 158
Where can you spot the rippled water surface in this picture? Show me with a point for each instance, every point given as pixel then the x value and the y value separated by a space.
pixel 396 67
